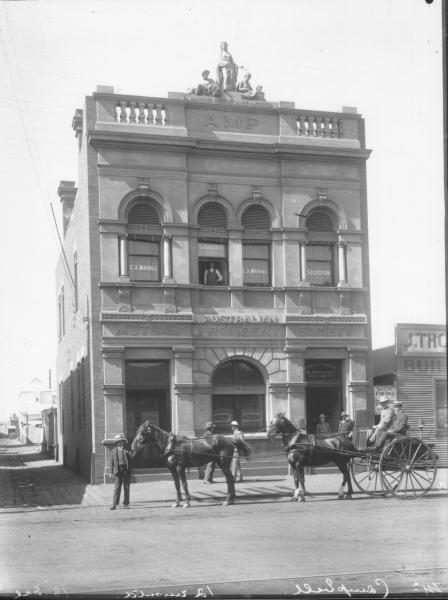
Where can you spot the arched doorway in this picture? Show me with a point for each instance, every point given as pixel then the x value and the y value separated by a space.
pixel 238 394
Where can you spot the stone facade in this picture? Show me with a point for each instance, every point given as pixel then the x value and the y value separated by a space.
pixel 275 197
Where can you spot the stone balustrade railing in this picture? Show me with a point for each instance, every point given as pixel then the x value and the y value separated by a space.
pixel 317 126
pixel 273 118
pixel 141 112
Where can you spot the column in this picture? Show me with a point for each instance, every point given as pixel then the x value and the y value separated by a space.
pixel 358 386
pixel 303 279
pixel 114 401
pixel 124 269
pixel 235 257
pixel 167 259
pixel 295 360
pixel 342 261
pixel 184 397
pixel 114 392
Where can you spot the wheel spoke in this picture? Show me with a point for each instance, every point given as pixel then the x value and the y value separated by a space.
pixel 415 453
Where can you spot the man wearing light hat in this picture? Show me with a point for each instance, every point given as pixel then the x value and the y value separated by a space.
pixel 120 467
pixel 345 425
pixel 210 469
pixel 387 414
pixel 400 420
pixel 235 467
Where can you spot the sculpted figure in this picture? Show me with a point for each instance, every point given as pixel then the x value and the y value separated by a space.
pixel 258 94
pixel 227 70
pixel 207 87
pixel 244 85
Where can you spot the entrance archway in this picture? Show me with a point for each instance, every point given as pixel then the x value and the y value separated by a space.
pixel 239 393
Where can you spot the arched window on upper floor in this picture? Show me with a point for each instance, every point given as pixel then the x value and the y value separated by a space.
pixel 320 248
pixel 256 246
pixel 212 244
pixel 144 233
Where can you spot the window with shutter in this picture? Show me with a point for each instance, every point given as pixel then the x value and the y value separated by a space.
pixel 212 249
pixel 212 216
pixel 320 250
pixel 256 247
pixel 144 240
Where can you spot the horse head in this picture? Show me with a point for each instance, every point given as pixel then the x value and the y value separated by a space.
pixel 143 436
pixel 279 425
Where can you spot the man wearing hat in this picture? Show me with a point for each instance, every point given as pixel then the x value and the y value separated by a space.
pixel 210 469
pixel 380 434
pixel 345 425
pixel 322 428
pixel 120 467
pixel 236 466
pixel 400 420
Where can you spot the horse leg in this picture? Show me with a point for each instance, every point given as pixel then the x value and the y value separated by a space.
pixel 295 475
pixel 302 491
pixel 174 474
pixel 346 480
pixel 183 478
pixel 224 463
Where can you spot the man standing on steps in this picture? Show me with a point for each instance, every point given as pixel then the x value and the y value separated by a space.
pixel 120 466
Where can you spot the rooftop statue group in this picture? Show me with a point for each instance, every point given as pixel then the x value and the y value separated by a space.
pixel 227 79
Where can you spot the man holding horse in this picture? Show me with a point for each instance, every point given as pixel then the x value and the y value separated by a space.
pixel 120 467
pixel 236 465
pixel 210 469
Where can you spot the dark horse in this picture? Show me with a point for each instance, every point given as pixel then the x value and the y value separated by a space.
pixel 304 450
pixel 182 453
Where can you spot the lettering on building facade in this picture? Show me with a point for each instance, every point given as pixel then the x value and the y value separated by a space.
pixel 321 331
pixel 241 123
pixel 237 318
pixel 238 331
pixel 144 330
pixel 422 342
pixel 422 365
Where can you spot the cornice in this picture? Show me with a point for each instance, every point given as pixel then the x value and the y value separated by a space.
pixel 234 150
pixel 320 319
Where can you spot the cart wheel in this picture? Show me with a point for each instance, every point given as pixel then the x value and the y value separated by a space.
pixel 408 467
pixel 366 475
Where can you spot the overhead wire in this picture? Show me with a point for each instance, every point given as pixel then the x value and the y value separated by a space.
pixel 34 155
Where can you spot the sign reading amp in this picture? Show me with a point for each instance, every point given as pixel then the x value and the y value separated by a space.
pixel 238 122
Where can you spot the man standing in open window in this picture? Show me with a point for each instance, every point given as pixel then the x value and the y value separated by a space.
pixel 211 275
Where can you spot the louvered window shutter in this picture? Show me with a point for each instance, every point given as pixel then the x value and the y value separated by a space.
pixel 319 221
pixel 256 217
pixel 143 214
pixel 212 216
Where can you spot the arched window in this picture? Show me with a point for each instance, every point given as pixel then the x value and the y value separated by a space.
pixel 238 394
pixel 144 237
pixel 212 248
pixel 256 246
pixel 320 249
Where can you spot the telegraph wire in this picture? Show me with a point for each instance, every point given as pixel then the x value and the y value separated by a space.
pixel 42 192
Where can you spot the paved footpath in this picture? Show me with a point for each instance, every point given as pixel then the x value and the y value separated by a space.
pixel 28 479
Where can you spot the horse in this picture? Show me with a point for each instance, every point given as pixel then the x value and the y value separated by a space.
pixel 182 453
pixel 304 450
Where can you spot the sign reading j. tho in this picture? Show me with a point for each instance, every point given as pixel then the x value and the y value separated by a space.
pixel 420 339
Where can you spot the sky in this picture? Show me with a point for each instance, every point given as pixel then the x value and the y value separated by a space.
pixel 382 56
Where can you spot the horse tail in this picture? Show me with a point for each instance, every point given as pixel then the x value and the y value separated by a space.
pixel 243 447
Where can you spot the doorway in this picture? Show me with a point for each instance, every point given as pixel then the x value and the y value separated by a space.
pixel 323 392
pixel 323 400
pixel 238 394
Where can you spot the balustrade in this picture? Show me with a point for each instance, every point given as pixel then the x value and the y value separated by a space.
pixel 141 113
pixel 318 126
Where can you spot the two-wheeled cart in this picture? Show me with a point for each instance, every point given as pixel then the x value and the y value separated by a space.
pixel 405 467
